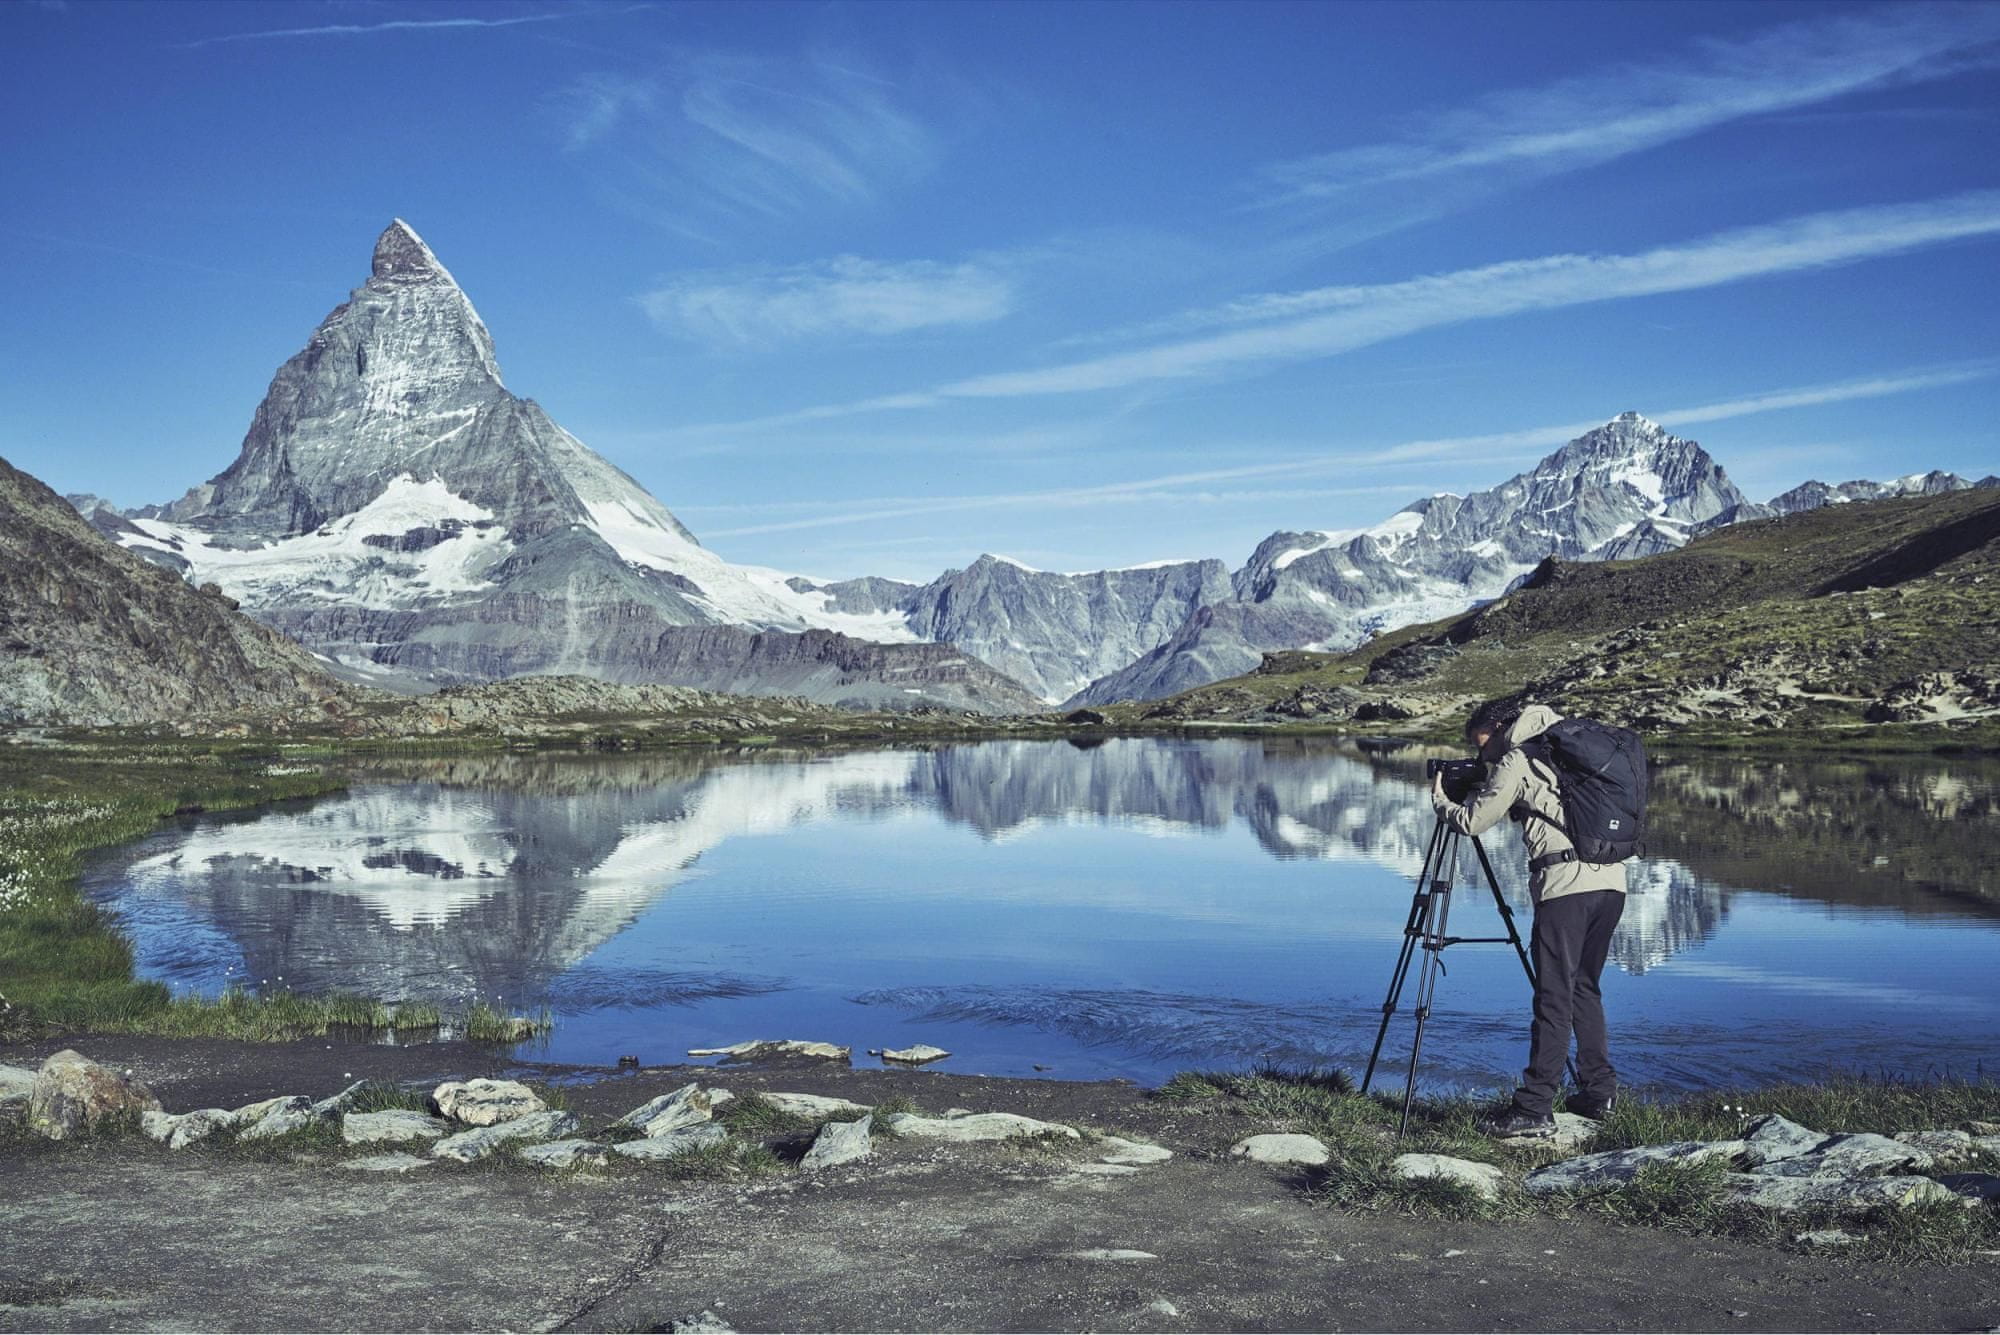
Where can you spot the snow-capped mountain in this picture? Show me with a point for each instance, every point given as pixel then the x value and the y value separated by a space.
pixel 1626 489
pixel 400 511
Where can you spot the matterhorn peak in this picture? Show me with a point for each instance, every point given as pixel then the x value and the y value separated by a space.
pixel 401 253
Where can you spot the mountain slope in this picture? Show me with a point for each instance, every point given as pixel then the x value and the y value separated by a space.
pixel 395 506
pixel 92 635
pixel 1835 617
pixel 1626 489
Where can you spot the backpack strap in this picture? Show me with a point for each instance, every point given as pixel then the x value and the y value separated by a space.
pixel 1548 860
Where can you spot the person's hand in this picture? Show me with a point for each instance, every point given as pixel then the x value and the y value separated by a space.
pixel 1438 799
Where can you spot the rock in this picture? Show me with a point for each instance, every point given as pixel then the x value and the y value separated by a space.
pixel 396 1125
pixel 975 1126
pixel 813 1106
pixel 1110 1254
pixel 1982 1128
pixel 567 1154
pixel 72 1094
pixel 485 1102
pixel 1826 1237
pixel 1163 1307
pixel 257 1112
pixel 1860 1155
pixel 703 1323
pixel 17 1085
pixel 840 1142
pixel 1941 1145
pixel 1772 1137
pixel 470 1146
pixel 329 1108
pixel 919 1054
pixel 1973 1186
pixel 685 1107
pixel 776 1047
pixel 1841 1194
pixel 674 1145
pixel 180 1131
pixel 1617 1167
pixel 1483 1179
pixel 1282 1149
pixel 1137 1153
pixel 387 1163
pixel 287 1119
pixel 717 1096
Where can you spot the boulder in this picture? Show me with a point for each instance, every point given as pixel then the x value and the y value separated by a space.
pixel 329 1108
pixel 1110 1254
pixel 397 1162
pixel 471 1146
pixel 1982 1128
pixel 73 1094
pixel 251 1113
pixel 919 1054
pixel 1131 1153
pixel 1282 1148
pixel 1846 1195
pixel 1943 1146
pixel 1772 1137
pixel 813 1106
pixel 1860 1155
pixel 17 1084
pixel 673 1146
pixel 975 1126
pixel 776 1047
pixel 395 1125
pixel 1615 1168
pixel 687 1106
pixel 485 1102
pixel 178 1131
pixel 567 1154
pixel 840 1142
pixel 1483 1179
pixel 289 1117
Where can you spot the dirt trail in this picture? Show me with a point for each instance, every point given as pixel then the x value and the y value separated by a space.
pixel 123 1235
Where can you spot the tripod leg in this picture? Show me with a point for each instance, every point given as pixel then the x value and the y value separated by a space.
pixel 1412 931
pixel 1434 943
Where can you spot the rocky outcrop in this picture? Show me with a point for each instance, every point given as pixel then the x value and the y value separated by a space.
pixel 73 1095
pixel 92 635
pixel 485 1102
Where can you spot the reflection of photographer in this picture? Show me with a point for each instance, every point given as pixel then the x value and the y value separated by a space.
pixel 1576 842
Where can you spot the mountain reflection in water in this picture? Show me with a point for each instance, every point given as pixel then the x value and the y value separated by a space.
pixel 621 890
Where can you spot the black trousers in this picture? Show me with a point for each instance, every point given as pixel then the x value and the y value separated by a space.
pixel 1572 936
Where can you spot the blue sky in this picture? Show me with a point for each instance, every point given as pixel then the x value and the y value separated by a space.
pixel 872 288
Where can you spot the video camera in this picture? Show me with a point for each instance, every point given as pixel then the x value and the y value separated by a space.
pixel 1462 778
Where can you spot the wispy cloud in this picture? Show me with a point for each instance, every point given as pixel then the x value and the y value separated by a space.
pixel 1278 328
pixel 845 295
pixel 1443 160
pixel 1210 485
pixel 725 135
pixel 400 25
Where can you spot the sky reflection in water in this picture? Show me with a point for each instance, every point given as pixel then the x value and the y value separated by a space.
pixel 1133 908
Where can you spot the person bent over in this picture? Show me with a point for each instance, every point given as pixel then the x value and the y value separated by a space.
pixel 1577 906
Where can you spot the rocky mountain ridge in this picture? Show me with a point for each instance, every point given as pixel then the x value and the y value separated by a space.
pixel 93 636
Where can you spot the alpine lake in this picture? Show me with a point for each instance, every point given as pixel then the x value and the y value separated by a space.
pixel 1090 908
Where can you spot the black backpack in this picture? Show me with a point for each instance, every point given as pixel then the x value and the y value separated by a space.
pixel 1601 778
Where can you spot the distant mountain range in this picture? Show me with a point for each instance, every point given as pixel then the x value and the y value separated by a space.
pixel 400 512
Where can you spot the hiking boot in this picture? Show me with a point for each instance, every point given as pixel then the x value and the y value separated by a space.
pixel 1519 1122
pixel 1585 1106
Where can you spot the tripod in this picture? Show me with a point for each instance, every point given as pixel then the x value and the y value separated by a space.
pixel 1428 929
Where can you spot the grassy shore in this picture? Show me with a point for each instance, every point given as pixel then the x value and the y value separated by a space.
pixel 65 966
pixel 1360 1133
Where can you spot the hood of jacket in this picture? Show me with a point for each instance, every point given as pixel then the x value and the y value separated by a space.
pixel 1533 722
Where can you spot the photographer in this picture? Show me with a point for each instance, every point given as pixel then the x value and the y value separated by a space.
pixel 1577 905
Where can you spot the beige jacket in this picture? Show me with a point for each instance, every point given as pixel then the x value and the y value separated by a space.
pixel 1516 785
